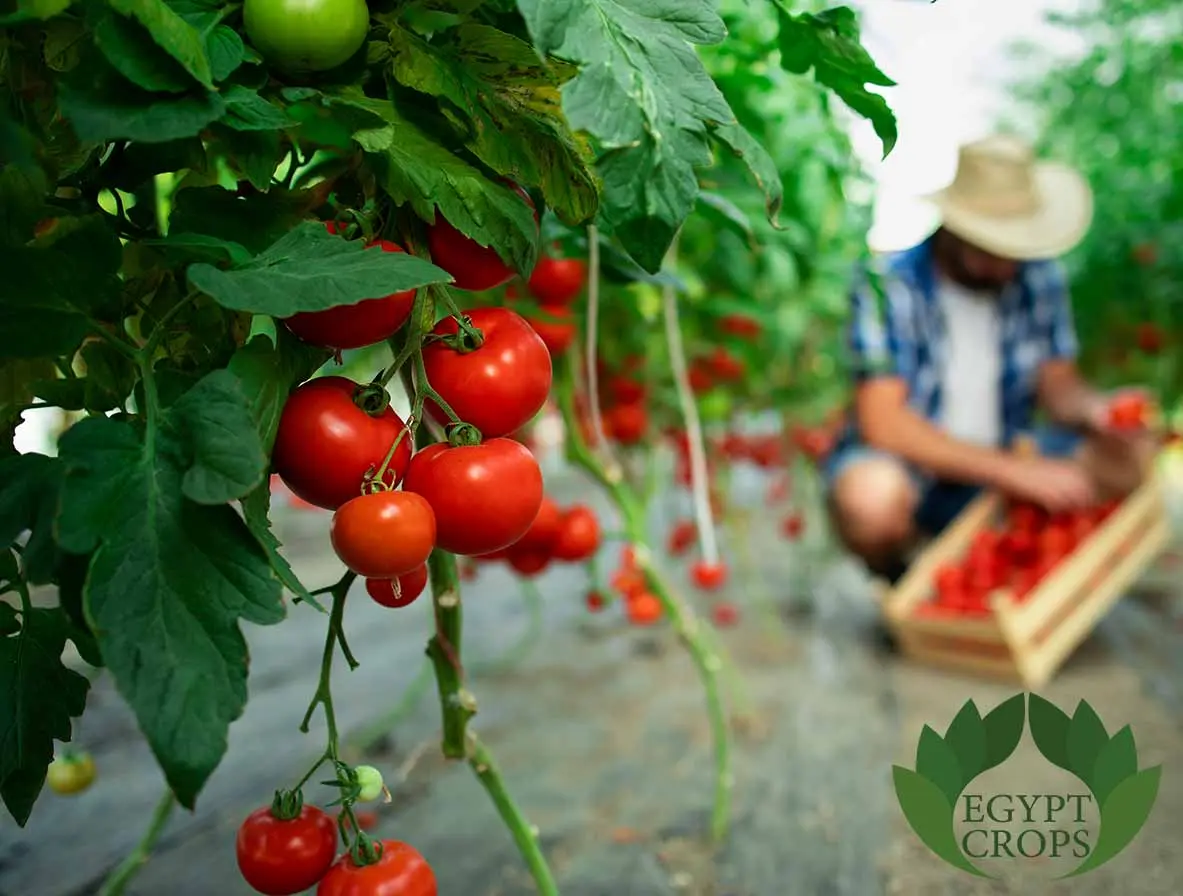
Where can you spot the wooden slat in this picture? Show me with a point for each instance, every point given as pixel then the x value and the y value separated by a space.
pixel 958 659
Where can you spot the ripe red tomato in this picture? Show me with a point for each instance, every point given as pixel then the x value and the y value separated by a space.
pixel 1026 517
pixel 725 614
pixel 624 390
pixel 472 266
pixel 629 582
pixel 384 535
pixel 709 576
pixel 950 584
pixel 556 335
pixel 724 365
pixel 682 537
pixel 594 601
pixel 399 592
pixel 1150 338
pixel 356 325
pixel 700 378
pixel 557 281
pixel 793 526
pixel 626 423
pixel 1128 411
pixel 280 858
pixel 484 496
pixel 401 871
pixel 543 532
pixel 579 535
pixel 643 608
pixel 499 387
pixel 527 561
pixel 1055 542
pixel 326 444
pixel 740 325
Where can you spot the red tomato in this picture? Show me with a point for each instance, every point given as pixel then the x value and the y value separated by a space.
pixel 1128 412
pixel 1150 338
pixel 700 379
pixel 383 535
pixel 1145 254
pixel 625 390
pixel 1022 547
pixel 1026 517
pixel 792 526
pixel 709 576
pixel 400 592
pixel 484 496
pixel 725 614
pixel 556 335
pixel 326 444
pixel 628 557
pixel 352 326
pixel 543 532
pixel 400 872
pixel 643 608
pixel 557 281
pixel 579 535
pixel 595 601
pixel 950 584
pixel 526 561
pixel 725 366
pixel 501 385
pixel 682 537
pixel 740 325
pixel 472 266
pixel 280 858
pixel 629 582
pixel 626 423
pixel 1055 542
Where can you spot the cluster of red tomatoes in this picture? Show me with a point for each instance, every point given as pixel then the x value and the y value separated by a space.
pixel 555 283
pixel 570 535
pixel 1016 555
pixel 281 856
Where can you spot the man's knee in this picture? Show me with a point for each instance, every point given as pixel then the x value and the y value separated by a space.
pixel 873 502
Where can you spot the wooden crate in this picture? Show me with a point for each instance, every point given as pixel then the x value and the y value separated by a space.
pixel 1027 641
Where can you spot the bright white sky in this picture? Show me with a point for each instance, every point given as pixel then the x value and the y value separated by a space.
pixel 948 59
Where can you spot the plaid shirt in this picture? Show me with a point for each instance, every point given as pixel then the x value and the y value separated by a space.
pixel 904 335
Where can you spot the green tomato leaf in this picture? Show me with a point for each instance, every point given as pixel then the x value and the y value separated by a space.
pixel 1116 761
pixel 643 94
pixel 214 420
pixel 966 737
pixel 1086 738
pixel 131 51
pixel 728 212
pixel 110 376
pixel 505 102
pixel 137 163
pixel 247 111
pixel 50 291
pixel 761 165
pixel 830 44
pixel 1004 730
pixel 930 815
pixel 35 9
pixel 16 391
pixel 71 580
pixel 1123 814
pixel 168 583
pixel 173 34
pixel 29 488
pixel 256 508
pixel 225 50
pixel 22 203
pixel 937 762
pixel 1049 730
pixel 254 222
pixel 310 269
pixel 269 368
pixel 38 698
pixel 255 154
pixel 201 247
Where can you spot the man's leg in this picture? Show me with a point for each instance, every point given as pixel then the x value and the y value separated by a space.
pixel 872 501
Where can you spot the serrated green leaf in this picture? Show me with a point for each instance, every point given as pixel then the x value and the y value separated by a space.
pixel 28 502
pixel 254 154
pixel 22 202
pixel 50 291
pixel 256 508
pixel 137 163
pixel 269 368
pixel 506 104
pixel 643 94
pixel 251 221
pixel 1004 730
pixel 728 211
pixel 930 815
pixel 247 111
pixel 16 391
pixel 71 580
pixel 763 168
pixel 310 269
pixel 202 247
pixel 110 376
pixel 34 9
pixel 937 762
pixel 38 698
pixel 1086 737
pixel 1116 761
pixel 213 419
pixel 172 34
pixel 169 582
pixel 1122 816
pixel 1049 730
pixel 65 39
pixel 966 737
pixel 130 50
pixel 225 50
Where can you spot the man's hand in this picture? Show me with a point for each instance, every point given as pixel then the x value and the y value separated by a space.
pixel 1055 485
pixel 1123 415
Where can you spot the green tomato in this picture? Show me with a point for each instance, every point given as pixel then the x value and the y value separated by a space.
pixel 70 774
pixel 715 406
pixel 306 35
pixel 369 783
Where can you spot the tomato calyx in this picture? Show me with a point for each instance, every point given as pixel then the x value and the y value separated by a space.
pixel 287 805
pixel 372 398
pixel 365 850
pixel 463 435
pixel 467 338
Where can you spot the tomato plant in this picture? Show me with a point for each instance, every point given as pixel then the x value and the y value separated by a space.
pixel 280 853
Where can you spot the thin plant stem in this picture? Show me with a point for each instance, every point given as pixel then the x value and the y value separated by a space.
pixel 118 880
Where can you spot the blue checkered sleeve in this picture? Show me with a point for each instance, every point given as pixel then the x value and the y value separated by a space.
pixel 1053 309
pixel 874 340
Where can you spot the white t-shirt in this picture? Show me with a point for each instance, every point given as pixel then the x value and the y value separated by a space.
pixel 971 401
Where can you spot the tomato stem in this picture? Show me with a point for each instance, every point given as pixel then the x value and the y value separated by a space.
pixel 379 477
pixel 470 337
pixel 118 880
pixel 324 694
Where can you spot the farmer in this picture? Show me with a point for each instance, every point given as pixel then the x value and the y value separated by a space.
pixel 972 335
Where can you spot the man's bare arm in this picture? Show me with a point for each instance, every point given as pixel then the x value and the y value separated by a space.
pixel 887 423
pixel 1064 394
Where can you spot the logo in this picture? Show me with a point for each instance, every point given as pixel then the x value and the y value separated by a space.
pixel 1082 827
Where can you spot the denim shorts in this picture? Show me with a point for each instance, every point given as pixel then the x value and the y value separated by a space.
pixel 940 501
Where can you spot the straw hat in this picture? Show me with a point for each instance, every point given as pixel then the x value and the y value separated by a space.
pixel 1004 201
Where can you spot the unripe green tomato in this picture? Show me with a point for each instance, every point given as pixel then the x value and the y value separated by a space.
pixel 70 774
pixel 369 783
pixel 715 406
pixel 306 35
